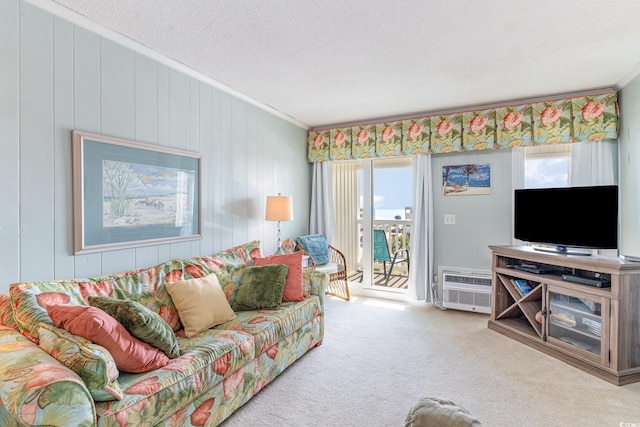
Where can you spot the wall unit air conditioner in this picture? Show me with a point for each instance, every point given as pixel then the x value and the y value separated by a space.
pixel 466 289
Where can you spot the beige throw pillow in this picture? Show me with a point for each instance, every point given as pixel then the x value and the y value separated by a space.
pixel 201 303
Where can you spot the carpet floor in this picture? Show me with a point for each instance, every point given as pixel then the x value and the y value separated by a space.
pixel 379 357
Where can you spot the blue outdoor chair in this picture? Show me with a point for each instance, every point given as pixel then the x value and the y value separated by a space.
pixel 381 253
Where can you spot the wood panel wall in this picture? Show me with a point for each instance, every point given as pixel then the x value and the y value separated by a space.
pixel 56 77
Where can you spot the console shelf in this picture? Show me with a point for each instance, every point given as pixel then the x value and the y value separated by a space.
pixel 589 327
pixel 522 307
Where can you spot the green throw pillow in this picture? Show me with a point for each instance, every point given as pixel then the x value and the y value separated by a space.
pixel 261 288
pixel 140 322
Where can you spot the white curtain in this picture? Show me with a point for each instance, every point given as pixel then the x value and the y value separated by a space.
pixel 322 216
pixel 421 255
pixel 594 163
pixel 347 210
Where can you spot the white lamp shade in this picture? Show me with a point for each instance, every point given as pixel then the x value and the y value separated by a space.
pixel 279 208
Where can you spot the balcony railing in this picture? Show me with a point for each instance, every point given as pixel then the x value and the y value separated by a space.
pixel 398 234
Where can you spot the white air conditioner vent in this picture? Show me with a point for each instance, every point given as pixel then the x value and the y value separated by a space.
pixel 466 289
pixel 469 280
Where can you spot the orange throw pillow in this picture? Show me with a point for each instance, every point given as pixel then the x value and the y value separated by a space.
pixel 129 353
pixel 293 285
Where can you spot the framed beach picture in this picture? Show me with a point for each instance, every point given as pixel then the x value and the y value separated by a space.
pixel 128 194
pixel 466 180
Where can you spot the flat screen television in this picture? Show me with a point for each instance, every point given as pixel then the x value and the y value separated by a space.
pixel 568 217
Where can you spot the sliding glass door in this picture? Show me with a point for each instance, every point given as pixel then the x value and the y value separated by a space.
pixel 391 203
pixel 373 200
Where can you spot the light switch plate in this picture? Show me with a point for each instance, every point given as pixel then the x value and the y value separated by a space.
pixel 449 219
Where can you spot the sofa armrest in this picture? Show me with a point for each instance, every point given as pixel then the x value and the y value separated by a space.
pixel 319 282
pixel 36 389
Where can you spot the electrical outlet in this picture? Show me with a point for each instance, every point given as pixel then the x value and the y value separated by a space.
pixel 450 219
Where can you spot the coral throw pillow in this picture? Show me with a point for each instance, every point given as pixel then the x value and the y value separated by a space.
pixel 129 353
pixel 140 322
pixel 293 289
pixel 201 303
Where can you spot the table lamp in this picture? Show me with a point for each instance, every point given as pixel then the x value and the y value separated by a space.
pixel 279 208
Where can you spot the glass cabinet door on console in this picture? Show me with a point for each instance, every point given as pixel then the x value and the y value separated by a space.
pixel 578 323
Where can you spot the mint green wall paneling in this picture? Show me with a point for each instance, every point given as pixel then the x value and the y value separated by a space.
pixel 10 137
pixel 146 130
pixel 86 80
pixel 298 187
pixel 194 116
pixel 118 260
pixel 205 135
pixel 251 153
pixel 117 112
pixel 262 190
pixel 63 124
pixel 239 155
pixel 180 134
pixel 216 166
pixel 37 143
pixel 164 135
pixel 86 114
pixel 117 106
pixel 146 99
pixel 179 131
pixel 225 173
pixel 146 256
pixel 276 179
pixel 195 142
pixel 271 183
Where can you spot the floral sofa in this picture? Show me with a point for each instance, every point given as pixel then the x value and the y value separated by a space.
pixel 45 381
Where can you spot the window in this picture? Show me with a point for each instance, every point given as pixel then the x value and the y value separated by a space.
pixel 393 190
pixel 547 166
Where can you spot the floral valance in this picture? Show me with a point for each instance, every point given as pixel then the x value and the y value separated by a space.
pixel 586 118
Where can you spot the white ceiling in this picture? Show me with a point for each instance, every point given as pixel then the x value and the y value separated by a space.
pixel 329 62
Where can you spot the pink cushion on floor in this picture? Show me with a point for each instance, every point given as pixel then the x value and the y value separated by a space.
pixel 293 287
pixel 129 353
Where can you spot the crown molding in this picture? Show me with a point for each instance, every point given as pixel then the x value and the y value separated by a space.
pixel 84 22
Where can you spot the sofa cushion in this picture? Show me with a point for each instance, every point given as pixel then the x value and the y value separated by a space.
pixel 213 358
pixel 147 287
pixel 93 363
pixel 30 300
pixel 261 287
pixel 140 322
pixel 129 353
pixel 268 327
pixel 293 287
pixel 316 246
pixel 201 303
pixel 229 264
pixel 6 312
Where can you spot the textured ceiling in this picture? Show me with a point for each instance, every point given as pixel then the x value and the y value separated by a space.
pixel 328 62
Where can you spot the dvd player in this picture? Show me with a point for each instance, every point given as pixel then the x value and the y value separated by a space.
pixel 591 281
pixel 531 268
